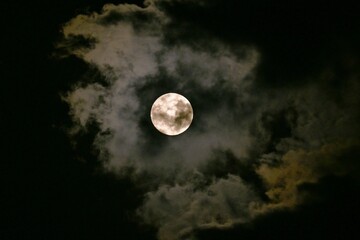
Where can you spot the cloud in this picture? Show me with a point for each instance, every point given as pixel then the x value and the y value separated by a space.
pixel 132 60
pixel 179 209
pixel 249 147
pixel 300 166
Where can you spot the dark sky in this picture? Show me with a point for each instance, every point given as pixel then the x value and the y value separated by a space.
pixel 273 151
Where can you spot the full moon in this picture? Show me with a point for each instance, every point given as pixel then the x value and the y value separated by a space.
pixel 171 114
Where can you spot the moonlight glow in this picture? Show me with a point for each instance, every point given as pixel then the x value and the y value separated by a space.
pixel 171 114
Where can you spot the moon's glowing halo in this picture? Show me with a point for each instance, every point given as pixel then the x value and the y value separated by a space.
pixel 171 114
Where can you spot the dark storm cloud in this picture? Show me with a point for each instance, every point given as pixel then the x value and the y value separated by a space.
pixel 250 145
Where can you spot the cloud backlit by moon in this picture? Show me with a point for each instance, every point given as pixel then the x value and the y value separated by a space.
pixel 235 121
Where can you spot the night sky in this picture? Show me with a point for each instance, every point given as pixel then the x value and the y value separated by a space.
pixel 273 151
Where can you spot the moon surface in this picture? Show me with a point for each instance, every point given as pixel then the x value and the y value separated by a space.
pixel 171 114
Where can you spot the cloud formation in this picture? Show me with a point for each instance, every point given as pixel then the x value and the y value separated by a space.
pixel 284 137
pixel 182 208
pixel 301 166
